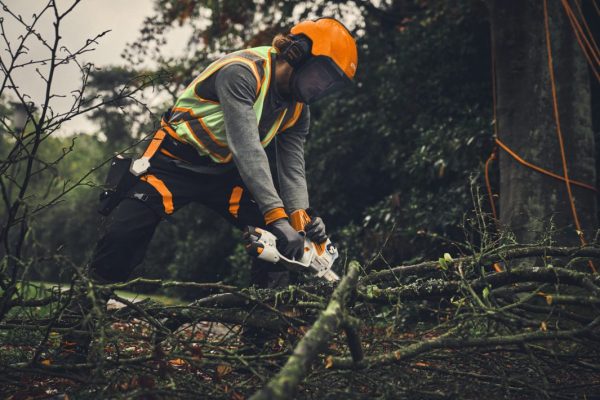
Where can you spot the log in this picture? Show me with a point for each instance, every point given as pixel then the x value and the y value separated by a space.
pixel 284 384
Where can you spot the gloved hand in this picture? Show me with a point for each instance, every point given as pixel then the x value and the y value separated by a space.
pixel 289 242
pixel 315 229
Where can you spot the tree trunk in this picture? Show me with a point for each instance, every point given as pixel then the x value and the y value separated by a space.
pixel 532 203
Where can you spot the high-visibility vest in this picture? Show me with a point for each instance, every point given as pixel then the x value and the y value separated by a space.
pixel 200 122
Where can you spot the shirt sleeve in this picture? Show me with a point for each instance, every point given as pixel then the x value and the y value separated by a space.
pixel 236 89
pixel 290 163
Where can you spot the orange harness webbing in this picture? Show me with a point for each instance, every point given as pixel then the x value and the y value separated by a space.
pixel 154 144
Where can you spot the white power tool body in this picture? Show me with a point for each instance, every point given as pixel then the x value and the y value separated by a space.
pixel 317 259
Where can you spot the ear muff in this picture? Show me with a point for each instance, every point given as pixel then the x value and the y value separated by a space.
pixel 297 52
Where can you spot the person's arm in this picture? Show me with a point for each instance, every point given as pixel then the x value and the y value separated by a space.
pixel 292 179
pixel 236 90
pixel 290 163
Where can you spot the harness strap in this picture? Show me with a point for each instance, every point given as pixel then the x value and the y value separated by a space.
pixel 161 188
pixel 234 201
pixel 154 144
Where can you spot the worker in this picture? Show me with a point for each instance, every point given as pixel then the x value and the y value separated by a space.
pixel 211 145
pixel 210 149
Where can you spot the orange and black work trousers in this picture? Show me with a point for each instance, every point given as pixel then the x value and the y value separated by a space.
pixel 161 192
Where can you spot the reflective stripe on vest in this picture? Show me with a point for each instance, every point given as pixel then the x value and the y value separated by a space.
pixel 292 121
pixel 200 122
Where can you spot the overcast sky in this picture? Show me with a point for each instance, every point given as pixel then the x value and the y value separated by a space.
pixel 89 18
pixel 122 17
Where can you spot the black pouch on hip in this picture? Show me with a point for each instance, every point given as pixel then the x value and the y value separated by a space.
pixel 118 182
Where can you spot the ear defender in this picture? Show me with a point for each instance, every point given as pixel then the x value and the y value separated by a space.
pixel 297 52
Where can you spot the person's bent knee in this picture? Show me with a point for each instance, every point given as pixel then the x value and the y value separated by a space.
pixel 123 245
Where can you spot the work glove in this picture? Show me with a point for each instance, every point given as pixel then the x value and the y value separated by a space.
pixel 289 242
pixel 315 229
pixel 309 221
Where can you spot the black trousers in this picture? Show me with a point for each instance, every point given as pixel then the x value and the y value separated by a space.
pixel 161 192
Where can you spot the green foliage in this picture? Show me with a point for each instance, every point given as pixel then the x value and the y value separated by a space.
pixel 64 232
pixel 390 158
pixel 399 148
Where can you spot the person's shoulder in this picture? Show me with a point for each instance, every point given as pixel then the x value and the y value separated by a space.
pixel 236 70
pixel 235 77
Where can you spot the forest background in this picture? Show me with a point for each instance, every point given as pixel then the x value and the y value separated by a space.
pixel 394 159
pixel 404 166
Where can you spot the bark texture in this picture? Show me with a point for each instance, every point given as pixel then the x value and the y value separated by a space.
pixel 284 384
pixel 530 202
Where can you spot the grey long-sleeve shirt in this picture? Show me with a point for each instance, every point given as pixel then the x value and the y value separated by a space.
pixel 235 88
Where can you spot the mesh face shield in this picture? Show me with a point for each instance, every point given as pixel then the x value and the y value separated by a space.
pixel 316 78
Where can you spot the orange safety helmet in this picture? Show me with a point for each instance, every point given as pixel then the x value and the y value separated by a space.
pixel 330 38
pixel 324 57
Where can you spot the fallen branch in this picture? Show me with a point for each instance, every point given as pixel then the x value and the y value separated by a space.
pixel 436 288
pixel 283 385
pixel 446 342
pixel 497 256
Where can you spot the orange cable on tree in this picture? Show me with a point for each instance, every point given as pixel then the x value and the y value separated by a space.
pixel 578 31
pixel 492 156
pixel 587 28
pixel 488 185
pixel 559 132
pixel 540 169
pixel 494 150
pixel 577 26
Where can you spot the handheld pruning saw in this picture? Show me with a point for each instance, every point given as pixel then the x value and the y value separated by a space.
pixel 316 259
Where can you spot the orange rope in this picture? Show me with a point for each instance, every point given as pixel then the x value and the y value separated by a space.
pixel 587 28
pixel 492 156
pixel 579 34
pixel 488 184
pixel 577 26
pixel 559 132
pixel 542 170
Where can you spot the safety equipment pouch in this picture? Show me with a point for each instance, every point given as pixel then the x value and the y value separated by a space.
pixel 118 181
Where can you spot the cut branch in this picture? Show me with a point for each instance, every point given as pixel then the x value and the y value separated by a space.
pixel 284 384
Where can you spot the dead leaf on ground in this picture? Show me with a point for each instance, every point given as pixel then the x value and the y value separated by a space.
pixel 237 396
pixel 222 370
